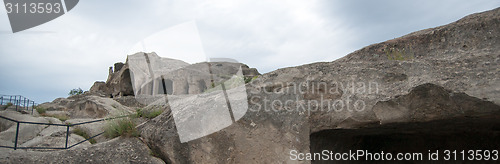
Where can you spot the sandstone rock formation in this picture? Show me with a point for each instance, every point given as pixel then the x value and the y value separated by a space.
pixel 435 79
pixel 87 106
pixel 181 77
pixel 117 84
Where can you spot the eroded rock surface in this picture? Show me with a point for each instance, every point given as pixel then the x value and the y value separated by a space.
pixel 444 75
pixel 87 106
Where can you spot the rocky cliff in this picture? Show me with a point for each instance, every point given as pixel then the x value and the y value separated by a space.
pixel 435 84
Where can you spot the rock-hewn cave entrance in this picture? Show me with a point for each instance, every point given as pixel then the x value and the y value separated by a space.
pixel 167 86
pixel 459 134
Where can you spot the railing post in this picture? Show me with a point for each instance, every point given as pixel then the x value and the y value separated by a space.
pixel 32 107
pixel 24 103
pixel 10 100
pixel 17 134
pixel 67 135
pixel 1 100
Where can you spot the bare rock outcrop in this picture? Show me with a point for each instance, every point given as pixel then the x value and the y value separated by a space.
pixel 117 84
pixel 87 106
pixel 33 135
pixel 27 131
pixel 435 79
pixel 181 77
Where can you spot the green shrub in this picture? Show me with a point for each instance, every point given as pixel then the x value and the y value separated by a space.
pixel 120 127
pixel 40 110
pixel 249 79
pixel 84 134
pixel 75 92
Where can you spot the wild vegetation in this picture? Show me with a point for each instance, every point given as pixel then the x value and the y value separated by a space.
pixel 81 132
pixel 120 127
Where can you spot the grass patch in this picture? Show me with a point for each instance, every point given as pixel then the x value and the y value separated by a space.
pixel 120 127
pixel 61 117
pixel 399 53
pixel 138 113
pixel 84 134
pixel 153 114
pixel 147 113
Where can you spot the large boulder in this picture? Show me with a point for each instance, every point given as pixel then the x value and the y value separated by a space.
pixel 440 82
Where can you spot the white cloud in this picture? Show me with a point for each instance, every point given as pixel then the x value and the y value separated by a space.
pixel 270 34
pixel 180 42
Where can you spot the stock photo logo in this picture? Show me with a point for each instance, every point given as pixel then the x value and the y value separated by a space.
pixel 170 68
pixel 26 14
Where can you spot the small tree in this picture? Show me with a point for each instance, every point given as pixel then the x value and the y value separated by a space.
pixel 75 92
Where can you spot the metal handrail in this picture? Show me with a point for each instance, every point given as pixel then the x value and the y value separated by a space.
pixel 15 147
pixel 18 101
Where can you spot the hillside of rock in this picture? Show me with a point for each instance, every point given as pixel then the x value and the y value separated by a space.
pixel 447 75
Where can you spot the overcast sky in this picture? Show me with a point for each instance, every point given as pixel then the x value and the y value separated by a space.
pixel 76 49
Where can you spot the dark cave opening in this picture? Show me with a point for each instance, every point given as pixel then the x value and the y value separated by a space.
pixel 414 138
pixel 167 86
